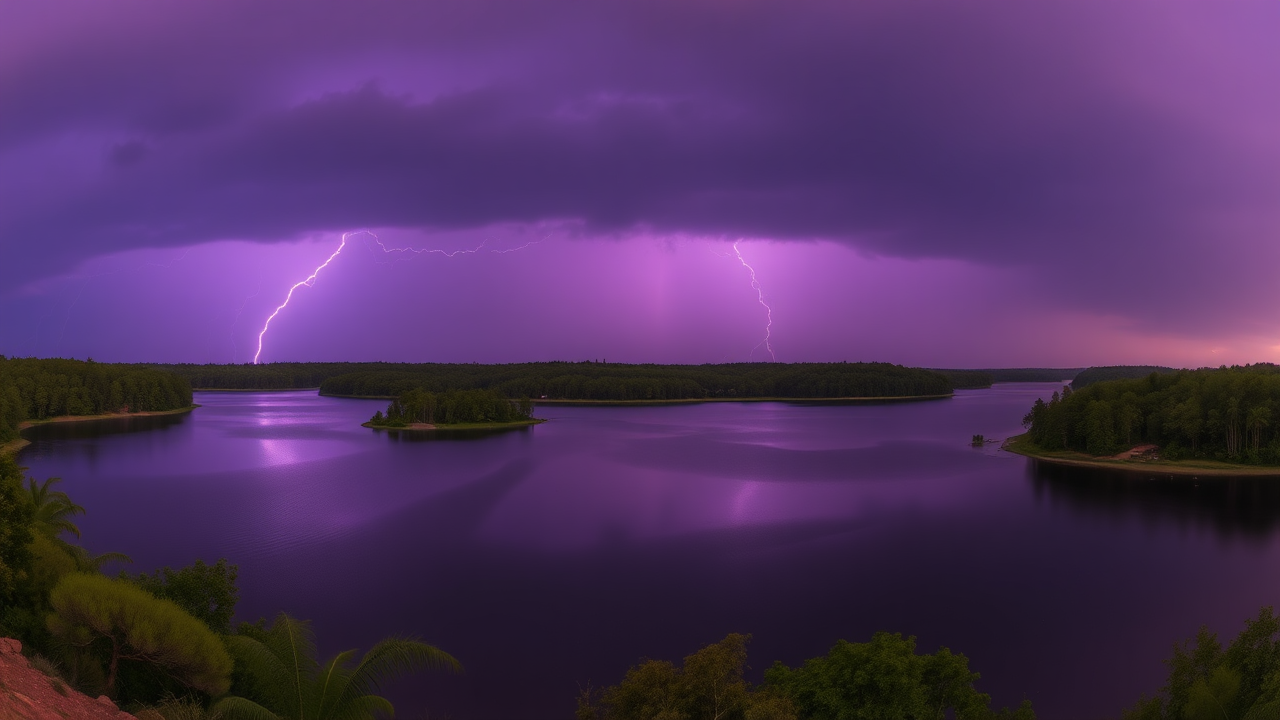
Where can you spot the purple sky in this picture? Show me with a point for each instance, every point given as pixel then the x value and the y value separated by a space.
pixel 930 183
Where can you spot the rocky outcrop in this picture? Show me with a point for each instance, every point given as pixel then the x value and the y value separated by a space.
pixel 28 694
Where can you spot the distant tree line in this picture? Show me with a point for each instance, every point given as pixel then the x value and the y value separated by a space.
pixel 985 378
pixel 1008 375
pixel 453 407
pixel 36 389
pixel 967 379
pixel 618 382
pixel 269 376
pixel 1225 413
pixel 1116 372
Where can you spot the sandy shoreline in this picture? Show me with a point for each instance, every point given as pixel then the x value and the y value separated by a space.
pixel 13 446
pixel 1182 468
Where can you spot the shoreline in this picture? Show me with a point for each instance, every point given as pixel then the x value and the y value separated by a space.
pixel 253 390
pixel 428 427
pixel 1183 468
pixel 17 444
pixel 694 401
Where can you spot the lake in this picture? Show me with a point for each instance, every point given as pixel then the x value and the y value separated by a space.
pixel 553 557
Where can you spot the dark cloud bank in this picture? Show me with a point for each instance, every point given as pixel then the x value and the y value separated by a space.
pixel 1098 144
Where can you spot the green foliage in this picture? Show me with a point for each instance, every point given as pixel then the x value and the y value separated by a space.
pixel 1241 682
pixel 15 534
pixel 282 677
pixel 709 685
pixel 452 407
pixel 885 678
pixel 36 389
pixel 208 592
pixel 116 621
pixel 53 510
pixel 1216 413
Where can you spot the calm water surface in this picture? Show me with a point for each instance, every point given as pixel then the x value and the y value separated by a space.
pixel 554 557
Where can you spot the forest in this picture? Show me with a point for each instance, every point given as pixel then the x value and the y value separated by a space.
pixel 620 382
pixel 460 376
pixel 1115 372
pixel 36 389
pixel 452 407
pixel 1226 413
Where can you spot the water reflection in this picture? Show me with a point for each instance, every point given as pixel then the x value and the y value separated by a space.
pixel 553 556
pixel 104 426
pixel 1246 507
pixel 451 434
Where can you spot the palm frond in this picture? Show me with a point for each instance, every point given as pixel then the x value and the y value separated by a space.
pixel 395 657
pixel 92 563
pixel 238 708
pixel 365 707
pixel 272 679
pixel 331 684
pixel 295 644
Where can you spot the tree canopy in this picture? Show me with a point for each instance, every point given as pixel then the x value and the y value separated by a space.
pixel 123 622
pixel 1223 413
pixel 886 678
pixel 1208 682
pixel 35 389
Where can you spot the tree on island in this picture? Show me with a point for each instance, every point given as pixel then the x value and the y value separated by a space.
pixel 452 407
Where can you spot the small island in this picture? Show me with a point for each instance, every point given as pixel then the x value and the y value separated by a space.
pixel 420 410
pixel 1206 422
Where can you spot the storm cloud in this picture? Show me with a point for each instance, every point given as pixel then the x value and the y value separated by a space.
pixel 1116 150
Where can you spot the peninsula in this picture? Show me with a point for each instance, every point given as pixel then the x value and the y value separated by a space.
pixel 1211 421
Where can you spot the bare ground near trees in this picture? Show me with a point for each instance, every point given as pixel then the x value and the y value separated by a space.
pixel 28 694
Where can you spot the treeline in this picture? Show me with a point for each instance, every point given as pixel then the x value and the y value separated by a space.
pixel 162 645
pixel 967 379
pixel 35 389
pixel 269 376
pixel 1007 375
pixel 609 381
pixel 453 407
pixel 985 378
pixel 1092 375
pixel 1226 413
pixel 883 678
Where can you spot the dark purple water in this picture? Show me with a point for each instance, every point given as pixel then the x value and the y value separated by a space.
pixel 554 557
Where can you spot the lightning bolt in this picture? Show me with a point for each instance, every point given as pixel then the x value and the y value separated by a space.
pixel 311 279
pixel 511 250
pixel 424 251
pixel 768 328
